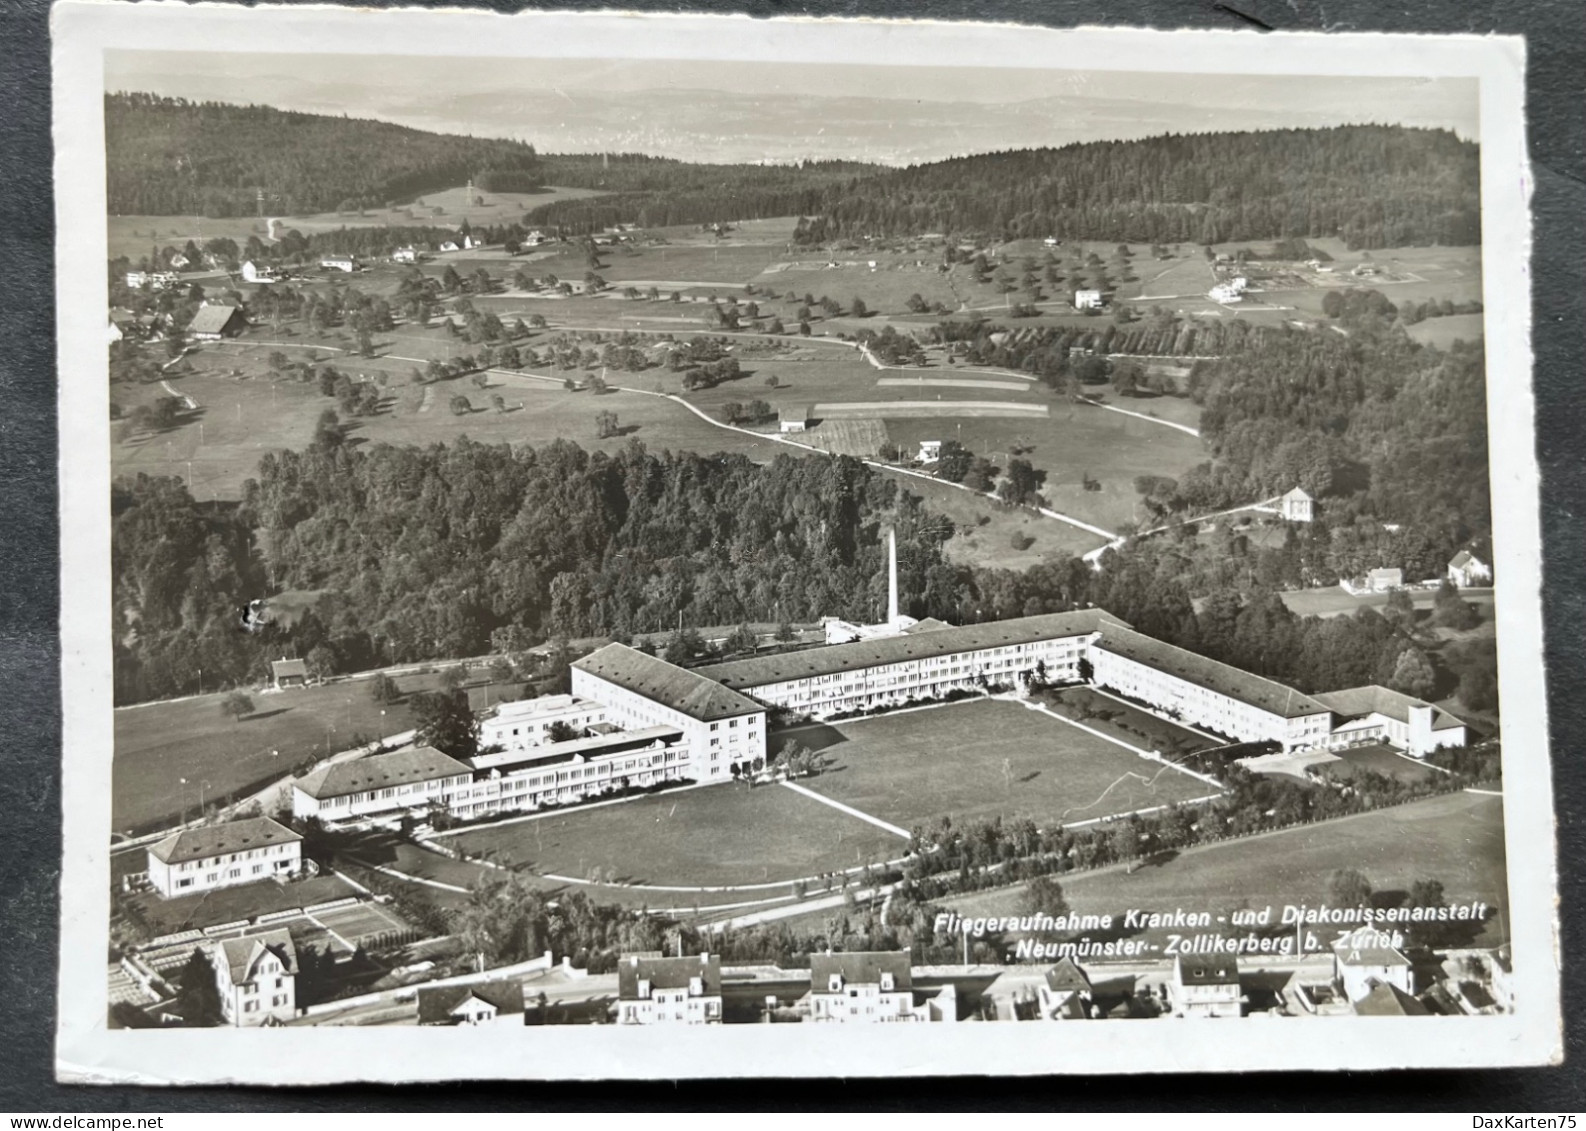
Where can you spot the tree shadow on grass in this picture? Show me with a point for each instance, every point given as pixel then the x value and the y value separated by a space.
pixel 264 714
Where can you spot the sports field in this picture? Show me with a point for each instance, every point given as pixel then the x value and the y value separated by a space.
pixel 1456 839
pixel 724 834
pixel 982 759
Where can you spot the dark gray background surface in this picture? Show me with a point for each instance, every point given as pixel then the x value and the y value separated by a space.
pixel 30 707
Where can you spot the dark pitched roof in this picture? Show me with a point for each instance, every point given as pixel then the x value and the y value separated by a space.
pixel 380 771
pixel 1462 559
pixel 834 658
pixel 1207 970
pixel 1267 694
pixel 281 668
pixel 861 967
pixel 213 319
pixel 1386 1000
pixel 929 624
pixel 690 692
pixel 1299 493
pixel 667 973
pixel 799 412
pixel 240 954
pixel 220 840
pixel 438 1003
pixel 1067 976
pixel 1384 701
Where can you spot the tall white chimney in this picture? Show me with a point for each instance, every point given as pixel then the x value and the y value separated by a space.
pixel 892 577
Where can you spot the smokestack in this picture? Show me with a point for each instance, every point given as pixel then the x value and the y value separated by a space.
pixel 892 577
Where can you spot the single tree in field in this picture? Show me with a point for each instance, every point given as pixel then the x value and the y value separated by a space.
pixel 383 689
pixel 460 405
pixel 605 424
pixel 498 402
pixel 1044 896
pixel 236 706
pixel 1348 887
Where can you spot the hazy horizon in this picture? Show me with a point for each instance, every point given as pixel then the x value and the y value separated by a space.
pixel 730 112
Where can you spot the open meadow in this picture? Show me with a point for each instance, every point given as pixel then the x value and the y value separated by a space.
pixel 716 835
pixel 984 759
pixel 1456 838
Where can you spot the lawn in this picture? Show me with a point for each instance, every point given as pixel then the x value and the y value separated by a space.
pixel 229 905
pixel 1456 839
pixel 1444 332
pixel 158 744
pixel 1382 760
pixel 718 835
pixel 985 759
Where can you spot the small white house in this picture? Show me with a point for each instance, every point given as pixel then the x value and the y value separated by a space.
pixel 1361 969
pixel 257 273
pixel 345 263
pixel 1206 986
pixel 794 418
pixel 1087 300
pixel 1466 570
pixel 1229 292
pixel 405 255
pixel 1297 506
pixel 472 1003
pixel 450 245
pixel 930 451
pixel 654 990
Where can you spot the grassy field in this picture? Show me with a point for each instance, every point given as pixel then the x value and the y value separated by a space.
pixel 159 744
pixel 227 905
pixel 724 834
pixel 1378 759
pixel 1456 839
pixel 1444 332
pixel 986 759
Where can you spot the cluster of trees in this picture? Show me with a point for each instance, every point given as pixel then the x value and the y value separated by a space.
pixel 1412 312
pixel 171 156
pixel 891 347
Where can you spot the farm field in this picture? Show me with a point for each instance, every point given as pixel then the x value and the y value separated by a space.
pixel 158 744
pixel 991 542
pixel 1444 332
pixel 1456 839
pixel 984 759
pixel 716 835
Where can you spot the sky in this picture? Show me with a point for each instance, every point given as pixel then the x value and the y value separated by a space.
pixel 730 111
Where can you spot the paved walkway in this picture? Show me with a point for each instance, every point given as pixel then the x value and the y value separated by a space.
pixel 850 810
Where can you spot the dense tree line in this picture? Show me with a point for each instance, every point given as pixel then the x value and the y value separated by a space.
pixel 170 156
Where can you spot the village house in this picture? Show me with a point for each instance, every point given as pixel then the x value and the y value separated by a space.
pixel 256 976
pixel 1466 570
pixel 499 1001
pixel 213 322
pixel 1206 986
pixel 1065 993
pixel 257 273
pixel 286 673
pixel 930 451
pixel 1297 506
pixel 344 263
pixel 1087 300
pixel 793 418
pixel 652 990
pixel 1361 969
pixel 873 987
pixel 218 856
pixel 405 255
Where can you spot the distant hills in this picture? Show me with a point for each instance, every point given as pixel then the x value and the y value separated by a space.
pixel 1374 186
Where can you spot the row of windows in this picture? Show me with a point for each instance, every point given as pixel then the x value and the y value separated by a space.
pixel 290 848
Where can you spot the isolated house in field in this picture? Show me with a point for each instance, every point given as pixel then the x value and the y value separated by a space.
pixel 794 418
pixel 286 673
pixel 449 245
pixel 653 990
pixel 257 978
pixel 257 273
pixel 1065 993
pixel 1206 986
pixel 212 323
pixel 1087 300
pixel 222 856
pixel 1466 570
pixel 930 451
pixel 472 1003
pixel 405 255
pixel 344 263
pixel 1297 506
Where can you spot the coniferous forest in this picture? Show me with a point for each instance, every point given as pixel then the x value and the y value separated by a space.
pixel 1373 186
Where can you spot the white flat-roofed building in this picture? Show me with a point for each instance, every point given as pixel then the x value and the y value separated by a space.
pixel 402 781
pixel 1203 692
pixel 528 722
pixel 925 665
pixel 720 726
pixel 221 856
pixel 1087 300
pixel 256 976
pixel 652 990
pixel 563 773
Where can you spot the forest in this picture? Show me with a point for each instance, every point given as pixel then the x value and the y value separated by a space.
pixel 169 156
pixel 1373 186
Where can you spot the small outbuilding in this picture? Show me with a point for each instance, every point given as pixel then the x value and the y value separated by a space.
pixel 794 418
pixel 1297 506
pixel 286 673
pixel 213 323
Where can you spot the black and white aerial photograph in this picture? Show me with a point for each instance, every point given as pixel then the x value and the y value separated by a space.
pixel 602 541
